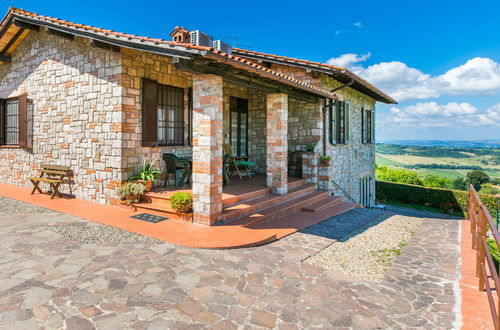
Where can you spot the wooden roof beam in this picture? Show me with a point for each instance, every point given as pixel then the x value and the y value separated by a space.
pixel 5 58
pixel 60 34
pixel 25 25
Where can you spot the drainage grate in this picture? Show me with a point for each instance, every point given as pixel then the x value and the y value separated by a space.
pixel 149 217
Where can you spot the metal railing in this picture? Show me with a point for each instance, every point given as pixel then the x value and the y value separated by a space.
pixel 486 270
pixel 344 192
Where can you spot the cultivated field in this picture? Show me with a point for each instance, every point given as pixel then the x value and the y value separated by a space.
pixel 451 162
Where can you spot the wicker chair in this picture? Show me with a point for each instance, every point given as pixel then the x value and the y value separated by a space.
pixel 176 167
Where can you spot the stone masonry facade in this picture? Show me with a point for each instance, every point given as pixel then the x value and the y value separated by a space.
pixel 74 113
pixel 84 111
pixel 350 162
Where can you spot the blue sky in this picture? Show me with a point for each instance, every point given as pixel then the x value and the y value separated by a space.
pixel 440 59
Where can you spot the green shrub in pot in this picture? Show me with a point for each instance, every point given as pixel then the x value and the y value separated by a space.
pixel 182 202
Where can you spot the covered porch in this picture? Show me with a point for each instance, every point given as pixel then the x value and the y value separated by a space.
pixel 244 106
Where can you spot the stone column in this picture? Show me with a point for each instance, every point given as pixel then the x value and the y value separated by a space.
pixel 207 149
pixel 277 142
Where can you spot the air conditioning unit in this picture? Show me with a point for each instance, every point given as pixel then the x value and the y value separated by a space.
pixel 200 39
pixel 222 46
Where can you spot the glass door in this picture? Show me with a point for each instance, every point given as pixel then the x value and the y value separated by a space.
pixel 239 126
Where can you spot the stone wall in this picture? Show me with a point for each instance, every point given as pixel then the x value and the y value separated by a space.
pixel 349 162
pixel 74 113
pixel 138 65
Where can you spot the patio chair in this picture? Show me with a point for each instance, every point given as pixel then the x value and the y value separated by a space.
pixel 242 166
pixel 295 164
pixel 176 167
pixel 225 169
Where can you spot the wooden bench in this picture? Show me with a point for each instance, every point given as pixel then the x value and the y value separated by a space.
pixel 51 174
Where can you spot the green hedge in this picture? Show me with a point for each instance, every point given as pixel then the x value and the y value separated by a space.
pixel 435 197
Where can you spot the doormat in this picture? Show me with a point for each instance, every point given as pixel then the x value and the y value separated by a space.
pixel 149 217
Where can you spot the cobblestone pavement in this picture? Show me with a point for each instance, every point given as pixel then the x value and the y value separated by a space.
pixel 50 281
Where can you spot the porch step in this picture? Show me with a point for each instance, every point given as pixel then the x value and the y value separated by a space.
pixel 250 206
pixel 302 219
pixel 323 204
pixel 157 207
pixel 226 201
pixel 296 183
pixel 288 207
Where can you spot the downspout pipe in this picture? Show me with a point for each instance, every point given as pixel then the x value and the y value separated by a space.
pixel 327 103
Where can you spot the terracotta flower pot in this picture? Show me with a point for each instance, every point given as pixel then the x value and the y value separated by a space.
pixel 148 185
pixel 133 198
pixel 186 216
pixel 325 162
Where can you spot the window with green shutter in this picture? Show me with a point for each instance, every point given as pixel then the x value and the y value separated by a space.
pixel 339 122
pixel 367 126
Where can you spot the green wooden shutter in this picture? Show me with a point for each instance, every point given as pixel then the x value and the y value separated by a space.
pixel 23 121
pixel 149 113
pixel 363 128
pixel 372 131
pixel 333 122
pixel 347 107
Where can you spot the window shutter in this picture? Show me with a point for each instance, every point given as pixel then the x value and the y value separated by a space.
pixel 372 130
pixel 340 123
pixel 333 122
pixel 190 116
pixel 23 121
pixel 149 113
pixel 347 107
pixel 363 128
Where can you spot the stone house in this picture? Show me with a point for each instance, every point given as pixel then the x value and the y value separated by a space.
pixel 101 101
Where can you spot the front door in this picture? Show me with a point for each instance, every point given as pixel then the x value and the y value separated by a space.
pixel 239 126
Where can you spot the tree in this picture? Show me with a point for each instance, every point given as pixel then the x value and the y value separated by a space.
pixel 477 178
pixel 436 181
pixel 459 184
pixel 400 175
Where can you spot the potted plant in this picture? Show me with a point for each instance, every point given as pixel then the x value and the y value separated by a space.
pixel 132 192
pixel 325 160
pixel 147 174
pixel 182 202
pixel 310 147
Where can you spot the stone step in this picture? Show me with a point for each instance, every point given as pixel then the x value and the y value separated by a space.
pixel 297 219
pixel 248 207
pixel 169 212
pixel 243 197
pixel 282 209
pixel 323 204
pixel 296 183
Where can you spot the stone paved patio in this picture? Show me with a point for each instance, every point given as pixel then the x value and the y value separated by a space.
pixel 50 281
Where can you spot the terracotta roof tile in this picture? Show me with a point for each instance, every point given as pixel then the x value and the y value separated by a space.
pixel 258 68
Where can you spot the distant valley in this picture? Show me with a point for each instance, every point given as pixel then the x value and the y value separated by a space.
pixel 450 159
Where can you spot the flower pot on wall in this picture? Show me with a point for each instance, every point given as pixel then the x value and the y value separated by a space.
pixel 325 162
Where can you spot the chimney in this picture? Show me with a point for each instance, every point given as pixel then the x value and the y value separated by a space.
pixel 180 34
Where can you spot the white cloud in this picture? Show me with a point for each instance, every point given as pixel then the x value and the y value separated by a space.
pixel 477 76
pixel 347 60
pixel 358 24
pixel 432 114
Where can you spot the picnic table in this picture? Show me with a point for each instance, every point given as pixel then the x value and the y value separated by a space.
pixel 51 174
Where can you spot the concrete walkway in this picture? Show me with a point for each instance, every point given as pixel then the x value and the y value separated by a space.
pixel 120 280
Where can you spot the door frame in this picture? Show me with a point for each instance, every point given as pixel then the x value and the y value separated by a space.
pixel 233 100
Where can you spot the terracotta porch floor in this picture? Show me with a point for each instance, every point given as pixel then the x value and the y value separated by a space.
pixel 172 231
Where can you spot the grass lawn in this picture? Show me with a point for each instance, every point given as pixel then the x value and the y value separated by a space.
pixel 424 208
